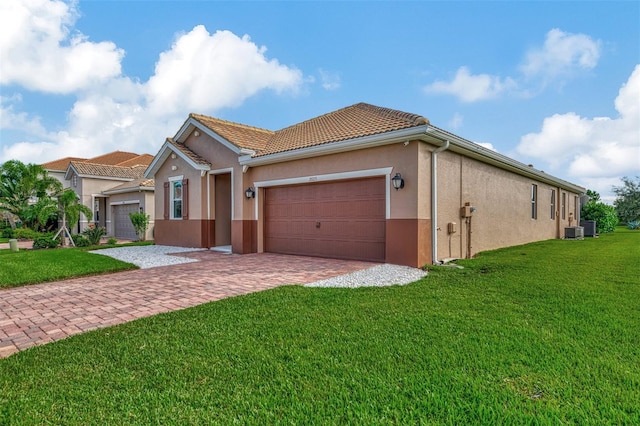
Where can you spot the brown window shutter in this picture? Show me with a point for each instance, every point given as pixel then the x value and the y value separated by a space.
pixel 185 199
pixel 166 201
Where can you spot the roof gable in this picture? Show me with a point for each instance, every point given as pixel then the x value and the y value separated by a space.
pixel 172 147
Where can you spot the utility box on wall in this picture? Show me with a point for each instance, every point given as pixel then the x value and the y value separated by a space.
pixel 574 233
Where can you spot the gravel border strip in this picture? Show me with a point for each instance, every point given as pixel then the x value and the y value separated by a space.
pixel 376 276
pixel 149 256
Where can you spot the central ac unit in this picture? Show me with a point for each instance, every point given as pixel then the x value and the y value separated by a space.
pixel 574 233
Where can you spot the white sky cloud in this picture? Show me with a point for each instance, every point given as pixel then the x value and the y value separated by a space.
pixel 39 51
pixel 206 72
pixel 471 88
pixel 456 121
pixel 561 55
pixel 200 72
pixel 330 80
pixel 593 150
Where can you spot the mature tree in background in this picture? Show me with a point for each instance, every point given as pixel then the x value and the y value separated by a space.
pixel 605 215
pixel 628 200
pixel 22 185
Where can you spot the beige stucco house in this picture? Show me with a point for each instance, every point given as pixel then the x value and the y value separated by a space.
pixel 112 185
pixel 327 187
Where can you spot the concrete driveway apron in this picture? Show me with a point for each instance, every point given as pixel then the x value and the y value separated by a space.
pixel 38 314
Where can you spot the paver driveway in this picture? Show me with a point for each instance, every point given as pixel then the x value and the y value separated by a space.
pixel 42 313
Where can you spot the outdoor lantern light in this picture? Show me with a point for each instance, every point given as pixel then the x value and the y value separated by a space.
pixel 397 181
pixel 250 193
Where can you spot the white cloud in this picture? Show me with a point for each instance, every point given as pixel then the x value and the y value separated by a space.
pixel 456 121
pixel 200 72
pixel 487 145
pixel 471 88
pixel 592 150
pixel 561 54
pixel 206 72
pixel 38 52
pixel 330 80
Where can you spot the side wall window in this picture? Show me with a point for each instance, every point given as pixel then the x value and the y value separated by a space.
pixel 534 201
pixel 564 205
pixel 175 198
pixel 553 204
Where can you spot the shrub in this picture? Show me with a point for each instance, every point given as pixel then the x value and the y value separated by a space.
pixel 94 234
pixel 7 233
pixel 633 224
pixel 140 223
pixel 112 241
pixel 81 241
pixel 25 234
pixel 605 216
pixel 44 241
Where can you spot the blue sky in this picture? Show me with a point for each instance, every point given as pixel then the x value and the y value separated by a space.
pixel 554 84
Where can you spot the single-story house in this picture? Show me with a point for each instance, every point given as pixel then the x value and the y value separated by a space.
pixel 362 182
pixel 112 185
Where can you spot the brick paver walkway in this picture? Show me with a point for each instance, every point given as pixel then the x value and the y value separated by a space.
pixel 43 313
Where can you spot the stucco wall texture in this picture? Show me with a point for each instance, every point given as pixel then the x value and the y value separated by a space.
pixel 503 215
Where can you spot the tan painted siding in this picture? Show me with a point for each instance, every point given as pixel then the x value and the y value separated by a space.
pixel 503 202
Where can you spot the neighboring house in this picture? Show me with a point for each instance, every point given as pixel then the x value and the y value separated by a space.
pixel 326 187
pixel 112 186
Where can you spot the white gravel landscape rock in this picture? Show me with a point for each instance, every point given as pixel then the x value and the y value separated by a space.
pixel 149 256
pixel 376 276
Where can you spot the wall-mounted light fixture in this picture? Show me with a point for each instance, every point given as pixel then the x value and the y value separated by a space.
pixel 196 133
pixel 397 181
pixel 173 156
pixel 174 168
pixel 250 193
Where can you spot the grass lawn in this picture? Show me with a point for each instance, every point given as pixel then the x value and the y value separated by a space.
pixel 546 333
pixel 36 266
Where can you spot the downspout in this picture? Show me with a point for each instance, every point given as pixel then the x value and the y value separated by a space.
pixel 434 200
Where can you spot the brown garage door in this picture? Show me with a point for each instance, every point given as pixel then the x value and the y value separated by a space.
pixel 123 228
pixel 344 220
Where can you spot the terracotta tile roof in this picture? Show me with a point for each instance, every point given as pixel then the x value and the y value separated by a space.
pixel 352 122
pixel 241 135
pixel 91 169
pixel 134 184
pixel 140 160
pixel 113 158
pixel 189 153
pixel 62 164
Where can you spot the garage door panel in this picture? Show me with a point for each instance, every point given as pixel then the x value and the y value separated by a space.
pixel 123 228
pixel 343 219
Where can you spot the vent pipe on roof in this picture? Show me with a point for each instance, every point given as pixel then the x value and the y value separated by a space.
pixel 434 200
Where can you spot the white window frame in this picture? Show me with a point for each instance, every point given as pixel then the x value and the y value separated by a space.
pixel 553 204
pixel 172 181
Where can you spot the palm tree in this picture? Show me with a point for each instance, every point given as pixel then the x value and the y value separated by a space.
pixel 24 184
pixel 70 210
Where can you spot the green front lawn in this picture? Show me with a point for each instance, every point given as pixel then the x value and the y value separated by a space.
pixel 546 333
pixel 36 266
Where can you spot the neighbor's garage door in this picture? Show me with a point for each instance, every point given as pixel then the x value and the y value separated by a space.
pixel 344 220
pixel 123 226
